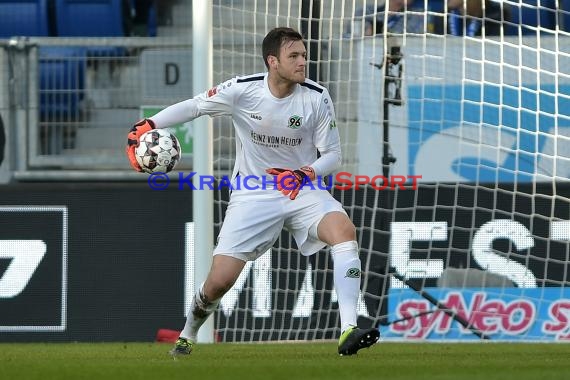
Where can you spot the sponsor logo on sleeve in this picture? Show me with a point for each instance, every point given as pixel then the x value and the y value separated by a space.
pixel 213 91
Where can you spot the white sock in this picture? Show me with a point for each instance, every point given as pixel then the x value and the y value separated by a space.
pixel 346 265
pixel 199 311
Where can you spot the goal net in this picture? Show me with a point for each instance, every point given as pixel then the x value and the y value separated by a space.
pixel 456 155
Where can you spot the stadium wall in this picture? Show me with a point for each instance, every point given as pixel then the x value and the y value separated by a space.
pixel 109 259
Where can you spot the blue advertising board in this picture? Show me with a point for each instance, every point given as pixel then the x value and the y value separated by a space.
pixel 492 132
pixel 509 314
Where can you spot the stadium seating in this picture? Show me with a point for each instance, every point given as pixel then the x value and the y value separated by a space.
pixel 565 15
pixel 497 16
pixel 61 69
pixel 62 81
pixel 89 18
pixel 23 18
pixel 526 16
pixel 152 21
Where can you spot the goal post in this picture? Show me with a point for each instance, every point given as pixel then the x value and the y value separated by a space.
pixel 203 215
pixel 483 236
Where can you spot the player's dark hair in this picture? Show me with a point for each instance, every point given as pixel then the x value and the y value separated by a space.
pixel 275 38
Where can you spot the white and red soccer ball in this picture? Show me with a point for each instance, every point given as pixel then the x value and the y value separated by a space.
pixel 158 151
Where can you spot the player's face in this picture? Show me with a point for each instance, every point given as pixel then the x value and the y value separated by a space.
pixel 292 61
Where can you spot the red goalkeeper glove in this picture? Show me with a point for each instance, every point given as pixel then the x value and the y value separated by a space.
pixel 133 137
pixel 290 181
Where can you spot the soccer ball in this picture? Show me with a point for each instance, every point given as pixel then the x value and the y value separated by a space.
pixel 158 151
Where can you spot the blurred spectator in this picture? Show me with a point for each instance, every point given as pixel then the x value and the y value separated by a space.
pixel 471 17
pixel 140 12
pixel 403 15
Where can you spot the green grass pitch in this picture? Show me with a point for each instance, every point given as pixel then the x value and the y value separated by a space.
pixel 109 361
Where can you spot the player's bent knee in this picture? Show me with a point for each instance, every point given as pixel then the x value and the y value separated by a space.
pixel 336 228
pixel 348 231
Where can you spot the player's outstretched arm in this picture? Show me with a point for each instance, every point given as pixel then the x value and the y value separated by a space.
pixel 133 137
pixel 290 181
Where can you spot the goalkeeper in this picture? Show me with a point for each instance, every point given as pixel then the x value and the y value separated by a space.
pixel 281 120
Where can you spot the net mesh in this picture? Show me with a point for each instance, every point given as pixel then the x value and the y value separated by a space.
pixel 473 100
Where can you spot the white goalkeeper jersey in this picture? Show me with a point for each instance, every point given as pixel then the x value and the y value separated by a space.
pixel 271 132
